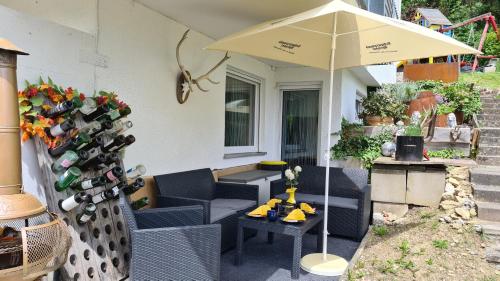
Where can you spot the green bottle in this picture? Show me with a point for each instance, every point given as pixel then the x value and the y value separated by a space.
pixel 87 214
pixel 65 161
pixel 136 205
pixel 67 179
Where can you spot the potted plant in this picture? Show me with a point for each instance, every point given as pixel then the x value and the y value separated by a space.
pixel 292 180
pixel 382 108
pixel 410 146
pixel 464 98
pixel 425 98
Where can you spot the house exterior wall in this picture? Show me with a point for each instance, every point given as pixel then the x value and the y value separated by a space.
pixel 138 45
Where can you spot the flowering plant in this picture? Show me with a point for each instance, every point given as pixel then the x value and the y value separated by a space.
pixel 292 176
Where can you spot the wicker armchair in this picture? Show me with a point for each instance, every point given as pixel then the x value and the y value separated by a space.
pixel 349 197
pixel 172 244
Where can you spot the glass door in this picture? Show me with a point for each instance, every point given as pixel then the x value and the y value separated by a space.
pixel 299 137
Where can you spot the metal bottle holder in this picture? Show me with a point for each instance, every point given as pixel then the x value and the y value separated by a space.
pixel 41 240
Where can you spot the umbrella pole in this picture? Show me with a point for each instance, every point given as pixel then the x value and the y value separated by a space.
pixel 324 263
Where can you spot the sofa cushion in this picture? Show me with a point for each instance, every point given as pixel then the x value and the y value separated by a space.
pixel 334 201
pixel 217 214
pixel 197 184
pixel 233 204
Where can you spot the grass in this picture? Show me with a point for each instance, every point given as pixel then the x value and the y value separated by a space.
pixel 380 230
pixel 440 244
pixel 427 215
pixel 429 261
pixel 490 80
pixel 405 248
pixel 388 267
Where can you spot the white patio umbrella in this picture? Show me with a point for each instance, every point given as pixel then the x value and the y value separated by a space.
pixel 336 36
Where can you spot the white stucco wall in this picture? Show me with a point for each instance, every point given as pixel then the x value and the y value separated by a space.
pixel 139 46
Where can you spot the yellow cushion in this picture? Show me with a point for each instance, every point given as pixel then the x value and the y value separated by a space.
pixel 295 215
pixel 273 163
pixel 272 203
pixel 260 211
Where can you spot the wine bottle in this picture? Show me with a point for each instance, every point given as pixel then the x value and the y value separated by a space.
pixel 133 187
pixel 97 141
pixel 100 110
pixel 89 183
pixel 105 195
pixel 89 105
pixel 112 158
pixel 59 109
pixel 118 143
pixel 115 114
pixel 95 128
pixel 61 128
pixel 72 202
pixel 75 143
pixel 120 126
pixel 83 156
pixel 87 213
pixel 138 204
pixel 113 174
pixel 94 162
pixel 136 172
pixel 68 178
pixel 65 161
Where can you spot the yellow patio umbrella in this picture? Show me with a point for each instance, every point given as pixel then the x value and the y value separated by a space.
pixel 336 36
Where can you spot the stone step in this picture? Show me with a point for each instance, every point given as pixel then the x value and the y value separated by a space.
pixel 495 141
pixel 484 175
pixel 489 117
pixel 490 111
pixel 487 193
pixel 488 160
pixel 491 105
pixel 489 123
pixel 491 99
pixel 492 254
pixel 490 132
pixel 490 228
pixel 488 211
pixel 489 150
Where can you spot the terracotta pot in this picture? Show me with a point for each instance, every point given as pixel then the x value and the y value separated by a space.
pixel 379 121
pixel 442 120
pixel 460 117
pixel 425 101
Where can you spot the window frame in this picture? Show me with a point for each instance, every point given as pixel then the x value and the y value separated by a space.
pixel 258 83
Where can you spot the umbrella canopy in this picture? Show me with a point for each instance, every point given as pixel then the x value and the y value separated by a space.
pixel 336 36
pixel 362 37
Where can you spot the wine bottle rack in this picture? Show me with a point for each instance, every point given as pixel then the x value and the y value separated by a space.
pixel 100 248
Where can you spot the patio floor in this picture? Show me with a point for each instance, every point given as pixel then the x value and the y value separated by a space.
pixel 262 261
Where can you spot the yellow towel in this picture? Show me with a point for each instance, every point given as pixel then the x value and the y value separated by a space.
pixel 260 211
pixel 295 215
pixel 272 203
pixel 307 208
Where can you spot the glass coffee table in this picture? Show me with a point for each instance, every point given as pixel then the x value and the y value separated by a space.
pixel 296 230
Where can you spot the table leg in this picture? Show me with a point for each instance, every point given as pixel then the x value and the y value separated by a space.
pixel 297 254
pixel 239 245
pixel 270 237
pixel 319 238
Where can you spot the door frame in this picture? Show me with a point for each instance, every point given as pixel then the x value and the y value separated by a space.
pixel 298 86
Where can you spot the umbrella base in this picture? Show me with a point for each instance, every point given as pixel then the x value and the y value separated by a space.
pixel 332 266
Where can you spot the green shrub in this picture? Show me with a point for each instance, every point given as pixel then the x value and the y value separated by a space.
pixel 380 230
pixel 440 244
pixel 448 153
pixel 405 248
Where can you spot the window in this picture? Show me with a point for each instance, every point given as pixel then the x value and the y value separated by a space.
pixel 241 110
pixel 359 103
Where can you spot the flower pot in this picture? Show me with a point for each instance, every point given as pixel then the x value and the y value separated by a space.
pixel 460 117
pixel 442 120
pixel 409 148
pixel 379 121
pixel 425 101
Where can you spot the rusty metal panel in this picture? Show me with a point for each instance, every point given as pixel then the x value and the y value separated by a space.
pixel 446 72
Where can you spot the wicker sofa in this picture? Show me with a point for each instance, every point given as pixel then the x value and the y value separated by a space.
pixel 349 203
pixel 222 203
pixel 164 239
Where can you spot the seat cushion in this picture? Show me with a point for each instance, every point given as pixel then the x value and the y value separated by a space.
pixel 217 214
pixel 233 204
pixel 334 201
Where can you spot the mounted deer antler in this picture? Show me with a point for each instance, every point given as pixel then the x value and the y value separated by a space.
pixel 185 82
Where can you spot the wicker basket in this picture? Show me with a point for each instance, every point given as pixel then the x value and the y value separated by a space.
pixel 42 247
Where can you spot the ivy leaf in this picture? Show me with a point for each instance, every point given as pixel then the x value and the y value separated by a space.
pixel 24 108
pixel 37 101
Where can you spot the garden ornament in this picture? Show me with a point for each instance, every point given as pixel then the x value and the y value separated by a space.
pixel 185 82
pixel 452 120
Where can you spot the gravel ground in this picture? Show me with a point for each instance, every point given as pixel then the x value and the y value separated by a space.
pixel 419 247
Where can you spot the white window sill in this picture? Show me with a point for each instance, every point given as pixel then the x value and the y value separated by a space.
pixel 243 154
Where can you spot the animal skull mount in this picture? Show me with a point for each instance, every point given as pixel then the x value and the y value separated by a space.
pixel 185 82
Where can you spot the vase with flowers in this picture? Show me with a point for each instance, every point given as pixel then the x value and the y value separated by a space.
pixel 292 180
